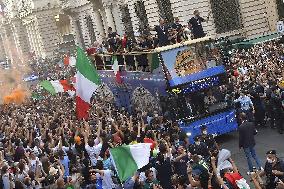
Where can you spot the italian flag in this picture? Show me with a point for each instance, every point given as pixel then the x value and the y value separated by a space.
pixel 87 81
pixel 153 60
pixel 115 68
pixel 127 159
pixel 69 61
pixel 57 86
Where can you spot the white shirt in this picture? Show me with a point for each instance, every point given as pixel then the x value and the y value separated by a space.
pixel 64 148
pixel 107 180
pixel 93 152
pixel 33 163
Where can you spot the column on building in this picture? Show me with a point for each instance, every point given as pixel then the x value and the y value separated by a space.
pixel 272 14
pixel 84 30
pixel 15 37
pixel 5 41
pixel 33 34
pixel 21 36
pixel 34 39
pixel 74 29
pixel 49 36
pixel 2 49
pixel 31 44
pixel 39 43
pixel 254 18
pixel 104 20
pixel 134 17
pixel 109 17
pixel 117 18
pixel 98 23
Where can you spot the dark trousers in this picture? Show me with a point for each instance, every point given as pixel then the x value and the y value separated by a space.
pixel 280 121
pixel 259 117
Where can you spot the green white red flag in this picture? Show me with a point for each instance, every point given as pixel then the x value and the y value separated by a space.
pixel 127 159
pixel 87 81
pixel 69 61
pixel 57 86
pixel 115 68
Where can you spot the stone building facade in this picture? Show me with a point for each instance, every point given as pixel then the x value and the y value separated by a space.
pixel 39 26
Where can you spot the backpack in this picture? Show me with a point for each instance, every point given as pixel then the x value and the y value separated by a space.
pixel 236 181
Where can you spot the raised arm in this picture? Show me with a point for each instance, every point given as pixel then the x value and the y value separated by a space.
pixel 192 182
pixel 235 169
pixel 220 180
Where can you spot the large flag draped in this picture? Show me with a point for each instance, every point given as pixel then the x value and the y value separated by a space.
pixel 128 159
pixel 87 81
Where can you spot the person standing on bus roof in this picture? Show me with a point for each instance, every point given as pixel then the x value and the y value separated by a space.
pixel 162 33
pixel 179 29
pixel 195 24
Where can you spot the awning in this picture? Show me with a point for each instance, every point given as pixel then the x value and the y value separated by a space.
pixel 250 43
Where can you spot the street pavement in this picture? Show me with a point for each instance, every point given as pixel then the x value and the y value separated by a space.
pixel 266 139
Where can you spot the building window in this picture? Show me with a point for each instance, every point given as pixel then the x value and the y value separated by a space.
pixel 91 31
pixel 126 19
pixel 280 8
pixel 166 10
pixel 142 16
pixel 226 14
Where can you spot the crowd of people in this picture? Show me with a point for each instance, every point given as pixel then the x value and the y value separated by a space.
pixel 257 81
pixel 149 38
pixel 43 145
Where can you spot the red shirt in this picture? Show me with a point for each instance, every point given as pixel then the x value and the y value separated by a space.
pixel 91 50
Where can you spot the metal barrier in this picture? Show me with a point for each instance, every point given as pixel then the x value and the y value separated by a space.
pixel 132 61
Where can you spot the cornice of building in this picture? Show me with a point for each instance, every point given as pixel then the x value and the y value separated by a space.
pixel 76 9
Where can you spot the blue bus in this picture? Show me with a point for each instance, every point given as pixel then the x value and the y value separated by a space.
pixel 197 88
pixel 190 84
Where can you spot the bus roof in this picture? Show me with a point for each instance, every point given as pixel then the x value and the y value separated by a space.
pixel 186 43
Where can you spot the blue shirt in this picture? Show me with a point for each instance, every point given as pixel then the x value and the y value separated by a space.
pixel 245 102
pixel 107 163
pixel 65 163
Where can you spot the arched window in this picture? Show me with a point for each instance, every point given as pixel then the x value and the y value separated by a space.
pixel 91 31
pixel 280 8
pixel 166 10
pixel 142 16
pixel 226 14
pixel 126 19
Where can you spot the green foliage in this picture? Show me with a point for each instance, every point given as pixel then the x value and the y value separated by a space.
pixel 142 15
pixel 166 10
pixel 226 15
pixel 126 19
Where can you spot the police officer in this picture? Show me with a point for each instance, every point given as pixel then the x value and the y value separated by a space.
pixel 274 169
pixel 199 148
pixel 208 139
